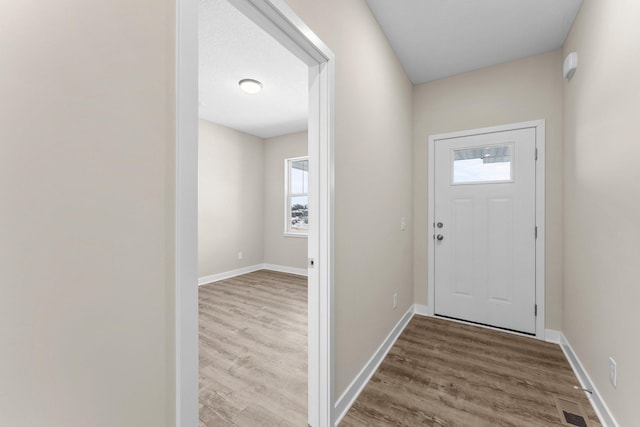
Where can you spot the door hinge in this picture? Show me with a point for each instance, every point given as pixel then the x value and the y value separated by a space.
pixel 535 232
pixel 535 309
pixel 536 154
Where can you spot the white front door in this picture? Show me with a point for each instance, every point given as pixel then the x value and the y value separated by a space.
pixel 484 229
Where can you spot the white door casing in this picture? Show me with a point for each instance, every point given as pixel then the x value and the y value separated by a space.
pixel 488 267
pixel 278 19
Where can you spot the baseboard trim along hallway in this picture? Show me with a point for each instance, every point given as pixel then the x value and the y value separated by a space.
pixel 602 410
pixel 250 269
pixel 352 392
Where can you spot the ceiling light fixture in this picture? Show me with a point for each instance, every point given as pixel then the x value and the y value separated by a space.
pixel 250 86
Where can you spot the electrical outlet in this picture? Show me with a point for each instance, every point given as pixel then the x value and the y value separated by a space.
pixel 612 372
pixel 395 300
pixel 240 255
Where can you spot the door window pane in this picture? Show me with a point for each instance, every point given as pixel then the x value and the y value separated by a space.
pixel 483 164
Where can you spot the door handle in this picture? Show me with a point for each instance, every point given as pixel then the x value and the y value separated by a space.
pixel 440 237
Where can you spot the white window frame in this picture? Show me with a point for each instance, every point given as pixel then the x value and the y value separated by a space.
pixel 288 195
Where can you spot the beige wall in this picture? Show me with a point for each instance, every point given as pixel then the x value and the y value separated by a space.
pixel 230 199
pixel 602 203
pixel 372 180
pixel 522 90
pixel 241 200
pixel 280 249
pixel 85 142
pixel 86 197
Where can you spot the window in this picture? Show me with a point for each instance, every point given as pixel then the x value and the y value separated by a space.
pixel 297 196
pixel 483 164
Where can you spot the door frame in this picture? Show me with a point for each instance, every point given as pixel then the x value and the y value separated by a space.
pixel 279 20
pixel 539 127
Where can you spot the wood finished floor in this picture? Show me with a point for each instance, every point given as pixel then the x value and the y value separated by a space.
pixel 253 351
pixel 442 373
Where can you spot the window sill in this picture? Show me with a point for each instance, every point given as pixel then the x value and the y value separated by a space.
pixel 298 235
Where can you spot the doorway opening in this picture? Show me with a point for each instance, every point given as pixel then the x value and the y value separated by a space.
pixel 278 20
pixel 486 213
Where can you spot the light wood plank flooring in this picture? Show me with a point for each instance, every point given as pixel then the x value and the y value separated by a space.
pixel 253 351
pixel 441 373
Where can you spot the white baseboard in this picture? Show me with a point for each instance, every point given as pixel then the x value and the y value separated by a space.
pixel 284 269
pixel 420 309
pixel 250 269
pixel 603 412
pixel 352 392
pixel 553 336
pixel 229 274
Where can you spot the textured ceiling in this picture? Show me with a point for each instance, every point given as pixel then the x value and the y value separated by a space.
pixel 233 48
pixel 440 38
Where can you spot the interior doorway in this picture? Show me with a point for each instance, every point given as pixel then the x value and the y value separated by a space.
pixel 278 20
pixel 487 227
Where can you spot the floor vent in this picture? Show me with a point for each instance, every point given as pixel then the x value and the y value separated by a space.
pixel 574 419
pixel 571 413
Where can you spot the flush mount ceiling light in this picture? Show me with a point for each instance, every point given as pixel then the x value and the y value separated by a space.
pixel 250 86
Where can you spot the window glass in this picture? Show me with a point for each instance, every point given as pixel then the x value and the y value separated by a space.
pixel 299 176
pixel 483 164
pixel 300 214
pixel 297 197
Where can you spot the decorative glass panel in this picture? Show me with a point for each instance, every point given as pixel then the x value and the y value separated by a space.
pixel 483 164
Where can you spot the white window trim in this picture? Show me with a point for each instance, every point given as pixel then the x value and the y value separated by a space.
pixel 288 195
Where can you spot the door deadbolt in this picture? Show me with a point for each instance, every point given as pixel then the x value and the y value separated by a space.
pixel 439 225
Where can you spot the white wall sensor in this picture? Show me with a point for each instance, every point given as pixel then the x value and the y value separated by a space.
pixel 570 65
